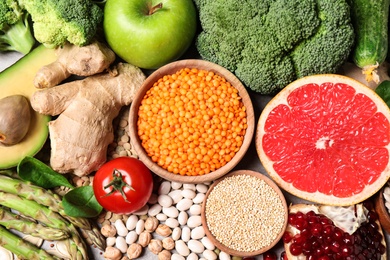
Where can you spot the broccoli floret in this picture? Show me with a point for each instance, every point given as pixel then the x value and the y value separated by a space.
pixel 15 31
pixel 56 22
pixel 268 44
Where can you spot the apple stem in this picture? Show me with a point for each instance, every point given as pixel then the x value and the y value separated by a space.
pixel 155 8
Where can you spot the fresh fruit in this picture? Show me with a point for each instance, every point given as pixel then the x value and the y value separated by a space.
pixel 312 235
pixel 149 34
pixel 15 117
pixel 18 80
pixel 325 138
pixel 123 185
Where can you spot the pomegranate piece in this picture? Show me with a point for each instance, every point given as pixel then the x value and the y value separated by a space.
pixel 319 238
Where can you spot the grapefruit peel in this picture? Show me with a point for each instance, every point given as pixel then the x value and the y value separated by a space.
pixel 301 146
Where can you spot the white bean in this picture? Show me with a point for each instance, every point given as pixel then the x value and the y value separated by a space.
pixel 192 256
pixel 110 241
pixel 184 204
pixel 171 212
pixel 121 244
pixel 199 198
pixel 175 195
pixel 176 185
pixel 120 228
pixel 131 237
pixel 142 211
pixel 164 200
pixel 386 196
pixel 182 248
pixel 224 256
pixel 195 209
pixel 386 190
pixel 194 221
pixel 189 186
pixel 140 226
pixel 198 233
pixel 164 188
pixel 176 256
pixel 182 218
pixel 186 234
pixel 131 222
pixel 207 243
pixel 161 216
pixel 209 255
pixel 202 188
pixel 176 233
pixel 195 246
pixel 172 222
pixel 188 194
pixel 154 210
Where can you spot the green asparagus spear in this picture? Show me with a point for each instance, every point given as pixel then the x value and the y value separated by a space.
pixel 77 247
pixel 94 237
pixel 11 220
pixel 22 248
pixel 40 195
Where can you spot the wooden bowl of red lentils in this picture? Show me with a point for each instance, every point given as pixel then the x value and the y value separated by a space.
pixel 244 213
pixel 191 121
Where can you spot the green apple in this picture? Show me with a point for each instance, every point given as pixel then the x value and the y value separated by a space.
pixel 149 33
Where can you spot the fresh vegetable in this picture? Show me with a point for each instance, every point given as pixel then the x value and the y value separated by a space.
pixel 47 217
pixel 325 138
pixel 15 31
pixel 327 237
pixel 268 44
pixel 14 221
pixel 123 185
pixel 149 34
pixel 17 80
pixel 22 248
pixel 75 60
pixel 56 22
pixel 75 204
pixel 383 90
pixel 15 119
pixel 83 130
pixel 370 21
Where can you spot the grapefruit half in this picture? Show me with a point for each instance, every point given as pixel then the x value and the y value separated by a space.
pixel 325 138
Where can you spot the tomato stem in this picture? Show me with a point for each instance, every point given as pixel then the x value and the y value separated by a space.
pixel 118 184
pixel 155 8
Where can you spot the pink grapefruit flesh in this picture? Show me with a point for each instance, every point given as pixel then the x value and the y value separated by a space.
pixel 325 138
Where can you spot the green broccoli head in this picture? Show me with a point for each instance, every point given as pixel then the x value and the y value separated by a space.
pixel 15 32
pixel 10 13
pixel 59 21
pixel 268 44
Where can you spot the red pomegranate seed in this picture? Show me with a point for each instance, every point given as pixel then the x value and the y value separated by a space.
pixel 270 256
pixel 320 239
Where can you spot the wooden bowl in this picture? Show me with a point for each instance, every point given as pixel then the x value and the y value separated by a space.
pixel 246 253
pixel 383 213
pixel 172 68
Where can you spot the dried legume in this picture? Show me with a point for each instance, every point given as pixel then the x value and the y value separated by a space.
pixel 191 122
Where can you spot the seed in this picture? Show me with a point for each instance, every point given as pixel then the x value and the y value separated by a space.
pixel 250 209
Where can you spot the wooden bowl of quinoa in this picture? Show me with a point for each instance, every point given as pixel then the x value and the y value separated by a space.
pixel 191 121
pixel 244 213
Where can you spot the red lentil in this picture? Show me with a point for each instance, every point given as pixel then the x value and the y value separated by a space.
pixel 192 122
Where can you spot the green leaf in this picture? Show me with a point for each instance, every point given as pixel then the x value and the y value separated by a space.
pixel 40 174
pixel 81 202
pixel 383 90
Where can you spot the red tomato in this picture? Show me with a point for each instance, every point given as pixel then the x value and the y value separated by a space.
pixel 123 185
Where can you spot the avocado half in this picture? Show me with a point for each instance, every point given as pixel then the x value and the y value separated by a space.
pixel 18 80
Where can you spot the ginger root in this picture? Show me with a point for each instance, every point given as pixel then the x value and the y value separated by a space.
pixel 75 60
pixel 83 130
